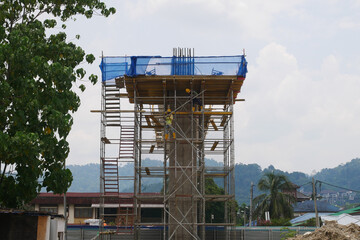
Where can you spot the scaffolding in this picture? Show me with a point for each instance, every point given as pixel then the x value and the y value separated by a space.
pixel 181 118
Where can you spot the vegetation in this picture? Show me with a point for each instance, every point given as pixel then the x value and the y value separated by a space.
pixel 86 178
pixel 310 222
pixel 287 233
pixel 274 201
pixel 37 72
pixel 345 175
pixel 214 208
pixel 275 222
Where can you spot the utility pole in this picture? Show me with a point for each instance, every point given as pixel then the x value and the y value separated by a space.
pixel 65 212
pixel 245 217
pixel 251 203
pixel 315 206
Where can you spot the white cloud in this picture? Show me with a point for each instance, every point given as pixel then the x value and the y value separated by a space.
pixel 298 118
pixel 252 17
pixel 348 23
pixel 302 102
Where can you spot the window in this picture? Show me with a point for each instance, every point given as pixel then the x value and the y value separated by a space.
pixel 49 209
pixel 83 212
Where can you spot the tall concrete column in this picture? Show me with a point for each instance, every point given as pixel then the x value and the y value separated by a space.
pixel 182 181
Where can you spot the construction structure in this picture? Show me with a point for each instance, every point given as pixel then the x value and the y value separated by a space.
pixel 180 110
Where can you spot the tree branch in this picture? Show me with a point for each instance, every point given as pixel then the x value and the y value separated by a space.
pixel 3 174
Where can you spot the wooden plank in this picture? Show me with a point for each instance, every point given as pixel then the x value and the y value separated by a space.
pixel 213 124
pixel 157 128
pixel 217 87
pixel 214 145
pixel 152 149
pixel 224 118
pixel 120 83
pixel 148 121
pixel 105 140
pixel 205 113
pixel 215 174
pixel 170 78
pixel 157 123
pixel 115 111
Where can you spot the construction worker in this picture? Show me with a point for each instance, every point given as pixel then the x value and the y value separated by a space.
pixel 195 100
pixel 168 121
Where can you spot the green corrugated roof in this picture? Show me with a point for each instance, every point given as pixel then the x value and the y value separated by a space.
pixel 348 211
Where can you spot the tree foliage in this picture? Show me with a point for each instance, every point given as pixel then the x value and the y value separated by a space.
pixel 310 222
pixel 37 72
pixel 243 215
pixel 214 208
pixel 345 175
pixel 273 200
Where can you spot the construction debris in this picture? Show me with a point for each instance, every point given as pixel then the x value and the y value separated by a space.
pixel 332 231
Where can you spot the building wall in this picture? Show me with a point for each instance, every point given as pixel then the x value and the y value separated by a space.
pixel 43 228
pixel 15 227
pixel 79 220
pixel 71 219
pixel 61 209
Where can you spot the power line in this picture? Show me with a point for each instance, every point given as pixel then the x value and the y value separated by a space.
pixel 348 189
pixel 304 184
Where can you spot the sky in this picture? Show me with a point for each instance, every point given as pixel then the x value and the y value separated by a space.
pixel 302 91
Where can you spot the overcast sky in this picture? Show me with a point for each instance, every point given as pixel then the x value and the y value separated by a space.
pixel 302 91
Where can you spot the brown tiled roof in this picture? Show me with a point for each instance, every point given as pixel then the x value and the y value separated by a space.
pixel 302 196
pixel 292 186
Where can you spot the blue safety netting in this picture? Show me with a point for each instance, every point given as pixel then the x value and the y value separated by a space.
pixel 113 67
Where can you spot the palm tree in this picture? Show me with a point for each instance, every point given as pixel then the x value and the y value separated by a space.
pixel 277 203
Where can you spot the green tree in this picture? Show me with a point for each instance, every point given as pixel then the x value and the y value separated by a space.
pixel 277 203
pixel 37 72
pixel 243 211
pixel 216 208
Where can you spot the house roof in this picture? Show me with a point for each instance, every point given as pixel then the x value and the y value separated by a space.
pixel 352 211
pixel 292 186
pixel 305 217
pixel 301 195
pixel 71 194
pixel 343 219
pixel 86 198
pixel 308 206
pixel 29 213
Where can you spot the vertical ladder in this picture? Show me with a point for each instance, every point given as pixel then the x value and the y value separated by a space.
pixel 112 119
pixel 118 136
pixel 125 220
pixel 125 223
pixel 111 173
pixel 126 148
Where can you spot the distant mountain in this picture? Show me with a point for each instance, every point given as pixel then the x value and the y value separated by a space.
pixel 86 177
pixel 345 175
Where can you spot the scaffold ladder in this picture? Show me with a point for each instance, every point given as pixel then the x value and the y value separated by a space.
pixel 126 146
pixel 125 219
pixel 111 113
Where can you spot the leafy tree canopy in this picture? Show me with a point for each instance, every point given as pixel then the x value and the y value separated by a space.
pixel 37 71
pixel 273 200
pixel 217 209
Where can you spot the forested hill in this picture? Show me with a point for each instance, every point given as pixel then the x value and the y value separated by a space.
pixel 86 177
pixel 345 175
